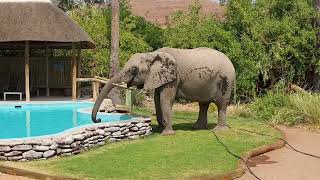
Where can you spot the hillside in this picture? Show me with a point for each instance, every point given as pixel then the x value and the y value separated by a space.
pixel 158 11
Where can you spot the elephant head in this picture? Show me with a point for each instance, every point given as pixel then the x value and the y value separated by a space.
pixel 145 71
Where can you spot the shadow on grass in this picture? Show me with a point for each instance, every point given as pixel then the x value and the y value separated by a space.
pixel 181 127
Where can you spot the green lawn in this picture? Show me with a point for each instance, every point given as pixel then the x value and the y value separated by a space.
pixel 188 153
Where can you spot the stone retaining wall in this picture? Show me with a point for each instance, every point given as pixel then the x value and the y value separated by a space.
pixel 74 141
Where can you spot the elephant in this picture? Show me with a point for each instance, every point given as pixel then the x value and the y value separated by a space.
pixel 200 75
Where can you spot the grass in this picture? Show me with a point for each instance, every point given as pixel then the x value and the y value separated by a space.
pixel 188 153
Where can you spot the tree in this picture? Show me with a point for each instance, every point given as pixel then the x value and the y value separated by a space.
pixel 114 52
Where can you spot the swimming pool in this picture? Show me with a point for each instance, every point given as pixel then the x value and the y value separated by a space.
pixel 45 130
pixel 32 120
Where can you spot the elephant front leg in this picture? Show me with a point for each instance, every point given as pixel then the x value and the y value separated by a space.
pixel 202 122
pixel 167 96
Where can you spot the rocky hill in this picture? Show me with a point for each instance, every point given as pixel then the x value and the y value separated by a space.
pixel 158 11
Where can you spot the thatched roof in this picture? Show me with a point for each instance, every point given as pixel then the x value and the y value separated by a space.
pixel 39 22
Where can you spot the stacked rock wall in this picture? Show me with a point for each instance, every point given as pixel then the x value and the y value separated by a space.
pixel 75 141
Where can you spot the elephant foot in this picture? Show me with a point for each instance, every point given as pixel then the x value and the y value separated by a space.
pixel 168 132
pixel 199 126
pixel 220 128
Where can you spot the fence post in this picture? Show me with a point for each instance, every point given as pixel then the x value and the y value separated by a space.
pixel 129 99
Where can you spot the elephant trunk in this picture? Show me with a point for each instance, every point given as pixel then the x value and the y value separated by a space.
pixel 103 94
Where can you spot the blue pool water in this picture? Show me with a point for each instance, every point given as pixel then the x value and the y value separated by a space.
pixel 43 119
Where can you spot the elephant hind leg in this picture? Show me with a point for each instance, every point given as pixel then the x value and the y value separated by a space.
pixel 222 123
pixel 202 122
pixel 158 108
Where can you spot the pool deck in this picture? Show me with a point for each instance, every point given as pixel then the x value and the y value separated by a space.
pixel 50 99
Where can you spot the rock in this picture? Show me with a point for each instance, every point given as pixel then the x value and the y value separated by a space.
pixel 122 109
pixel 47 142
pixel 143 128
pixel 53 146
pixel 15 158
pixel 11 143
pixel 49 154
pixel 5 148
pixel 41 148
pixel 139 125
pixel 125 131
pixel 112 129
pixel 59 151
pixel 32 155
pixel 91 128
pixel 122 124
pixel 100 132
pixel 141 132
pixel 3 158
pixel 116 133
pixel 79 137
pixel 12 153
pixel 107 133
pixel 101 143
pixel 22 148
pixel 32 142
pixel 75 144
pixel 66 150
pixel 65 141
pixel 107 105
pixel 134 129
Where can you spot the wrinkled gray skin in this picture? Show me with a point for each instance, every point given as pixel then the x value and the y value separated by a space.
pixel 201 75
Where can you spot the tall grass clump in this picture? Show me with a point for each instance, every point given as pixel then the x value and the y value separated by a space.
pixel 289 109
pixel 303 109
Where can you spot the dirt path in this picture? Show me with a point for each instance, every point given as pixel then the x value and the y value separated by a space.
pixel 287 164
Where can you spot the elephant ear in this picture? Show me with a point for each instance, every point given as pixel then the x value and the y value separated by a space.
pixel 163 69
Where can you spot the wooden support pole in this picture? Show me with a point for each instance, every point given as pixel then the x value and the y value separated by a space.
pixel 129 99
pixel 47 72
pixel 74 72
pixel 94 91
pixel 79 70
pixel 27 70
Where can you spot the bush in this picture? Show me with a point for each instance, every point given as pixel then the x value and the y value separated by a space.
pixel 268 106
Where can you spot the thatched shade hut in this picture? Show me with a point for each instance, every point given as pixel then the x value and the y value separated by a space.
pixel 38 24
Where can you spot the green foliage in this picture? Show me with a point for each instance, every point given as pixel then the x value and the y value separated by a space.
pixel 279 37
pixel 269 105
pixel 268 41
pixel 135 37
